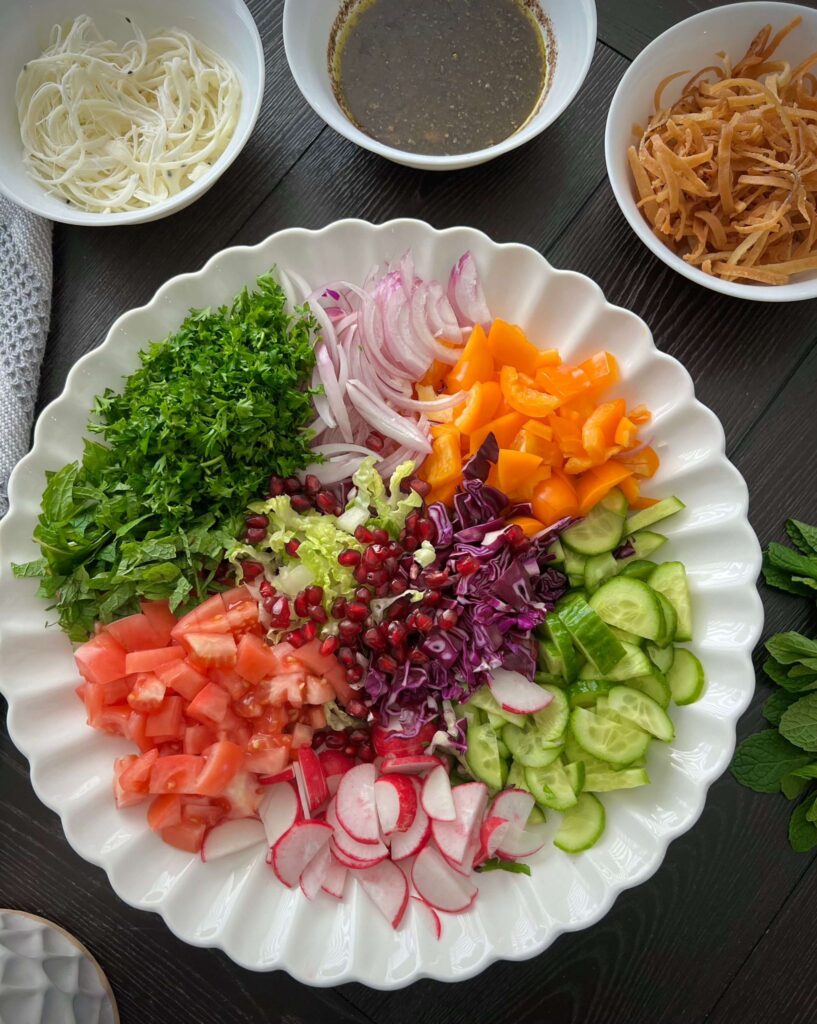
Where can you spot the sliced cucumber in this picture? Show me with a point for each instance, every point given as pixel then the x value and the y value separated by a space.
pixel 670 579
pixel 627 638
pixel 485 701
pixel 496 722
pixel 654 684
pixel 550 723
pixel 589 632
pixel 556 553
pixel 634 663
pixel 502 747
pixel 585 692
pixel 574 567
pixel 550 658
pixel 600 530
pixel 575 772
pixel 661 657
pixel 516 777
pixel 686 677
pixel 548 679
pixel 605 780
pixel 599 569
pixel 536 816
pixel 559 635
pixel 526 747
pixel 550 786
pixel 644 544
pixel 482 756
pixel 608 740
pixel 654 514
pixel 573 752
pixel 640 569
pixel 636 707
pixel 582 825
pixel 670 619
pixel 630 604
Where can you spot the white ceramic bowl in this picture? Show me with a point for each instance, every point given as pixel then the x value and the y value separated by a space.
pixel 225 25
pixel 236 903
pixel 307 28
pixel 693 44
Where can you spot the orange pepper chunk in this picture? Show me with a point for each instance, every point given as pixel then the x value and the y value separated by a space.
pixel 540 429
pixel 514 467
pixel 475 363
pixel 510 347
pixel 548 357
pixel 597 482
pixel 579 464
pixel 564 382
pixel 626 433
pixel 644 463
pixel 581 406
pixel 567 435
pixel 599 430
pixel 601 370
pixel 534 444
pixel 444 464
pixel 631 489
pixel 640 415
pixel 524 492
pixel 529 526
pixel 435 375
pixel 519 393
pixel 644 502
pixel 504 428
pixel 480 407
pixel 555 498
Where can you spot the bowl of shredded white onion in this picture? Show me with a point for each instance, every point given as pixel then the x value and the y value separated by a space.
pixel 118 115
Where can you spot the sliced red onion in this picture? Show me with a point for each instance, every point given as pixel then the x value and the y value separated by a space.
pixel 465 292
pixel 443 319
pixel 420 322
pixel 327 330
pixel 375 411
pixel 434 405
pixel 330 450
pixel 300 284
pixel 335 470
pixel 333 392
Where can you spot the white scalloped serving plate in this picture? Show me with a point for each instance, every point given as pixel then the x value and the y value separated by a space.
pixel 236 904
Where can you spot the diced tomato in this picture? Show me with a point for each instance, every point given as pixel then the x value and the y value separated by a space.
pixel 147 693
pixel 165 811
pixel 209 617
pixel 134 633
pixel 255 659
pixel 101 660
pixel 238 595
pixel 315 716
pixel 197 738
pixel 318 690
pixel 241 735
pixel 187 835
pixel 135 777
pixel 147 661
pixel 271 720
pixel 243 795
pixel 161 619
pixel 177 773
pixel 210 650
pixel 243 616
pixel 231 681
pixel 343 691
pixel 135 731
pixel 209 705
pixel 182 677
pixel 267 762
pixel 198 811
pixel 167 722
pixel 112 718
pixel 125 797
pixel 221 763
pixel 302 736
pixel 317 663
pixel 282 689
pixel 116 691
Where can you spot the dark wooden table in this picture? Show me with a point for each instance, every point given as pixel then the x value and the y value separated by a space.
pixel 725 931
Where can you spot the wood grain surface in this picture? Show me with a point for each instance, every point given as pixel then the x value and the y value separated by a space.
pixel 725 930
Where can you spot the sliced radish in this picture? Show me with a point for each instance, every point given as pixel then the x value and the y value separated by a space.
pixel 287 775
pixel 438 801
pixel 335 881
pixel 454 837
pixel 431 915
pixel 300 785
pixel 313 876
pixel 387 887
pixel 492 833
pixel 439 885
pixel 406 844
pixel 396 800
pixel 314 780
pixel 353 863
pixel 334 762
pixel 279 810
pixel 296 848
pixel 470 858
pixel 520 842
pixel 364 853
pixel 355 806
pixel 513 804
pixel 231 837
pixel 516 693
pixel 409 764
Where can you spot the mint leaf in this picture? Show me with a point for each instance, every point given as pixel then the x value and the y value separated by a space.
pixel 515 867
pixel 25 569
pixel 58 496
pixel 776 704
pixel 785 677
pixel 793 785
pixel 783 580
pixel 802 536
pixel 762 761
pixel 799 723
pixel 807 772
pixel 811 813
pixel 790 561
pixel 790 648
pixel 805 581
pixel 802 832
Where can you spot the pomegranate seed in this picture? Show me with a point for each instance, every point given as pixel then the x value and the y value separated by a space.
pixel 300 503
pixel 422 487
pixel 296 638
pixel 397 633
pixel 335 740
pixel 393 549
pixel 382 590
pixel 349 631
pixel 374 639
pixel 391 565
pixel 411 543
pixel 311 484
pixel 301 605
pixel 467 565
pixel 423 622
pixel 380 536
pixel 363 594
pixel 435 579
pixel 349 557
pixel 257 520
pixel 386 663
pixel 329 646
pixel 363 535
pixel 346 656
pixel 318 614
pixel 354 674
pixel 412 519
pixel 375 442
pixel 314 595
pixel 418 657
pixel 377 577
pixel 292 485
pixel 357 612
pixel 350 750
pixel 432 598
pixel 266 588
pixel 371 558
pixel 280 613
pixel 291 547
pixel 357 709
pixel 339 608
pixel 358 735
pixel 397 586
pixel 398 609
pixel 425 529
pixel 256 534
pixel 360 572
pixel 251 570
pixel 515 535
pixel 447 619
pixel 309 631
pixel 327 503
pixel 275 487
pixel 366 753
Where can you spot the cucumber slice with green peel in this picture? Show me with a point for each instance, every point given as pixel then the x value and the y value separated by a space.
pixel 582 825
pixel 550 659
pixel 516 777
pixel 599 569
pixel 644 544
pixel 634 663
pixel 654 514
pixel 526 747
pixel 627 638
pixel 556 553
pixel 585 692
pixel 614 501
pixel 482 756
pixel 484 700
pixel 670 619
pixel 686 677
pixel 640 569
pixel 636 707
pixel 550 723
pixel 630 604
pixel 548 679
pixel 550 786
pixel 502 747
pixel 654 684
pixel 605 780
pixel 496 722
pixel 599 531
pixel 661 657
pixel 575 772
pixel 670 579
pixel 574 566
pixel 537 816
pixel 589 632
pixel 608 740
pixel 558 634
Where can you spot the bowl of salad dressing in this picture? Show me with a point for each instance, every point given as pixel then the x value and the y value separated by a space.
pixel 439 84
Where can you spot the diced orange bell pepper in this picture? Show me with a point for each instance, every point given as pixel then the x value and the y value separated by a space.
pixel 554 499
pixel 504 428
pixel 626 433
pixel 644 463
pixel 631 489
pixel 567 435
pixel 601 370
pixel 565 382
pixel 529 526
pixel 513 468
pixel 526 489
pixel 435 375
pixel 510 347
pixel 534 444
pixel 640 415
pixel 579 464
pixel 444 464
pixel 475 363
pixel 644 502
pixel 480 407
pixel 444 493
pixel 540 429
pixel 599 430
pixel 581 406
pixel 548 357
pixel 519 393
pixel 597 482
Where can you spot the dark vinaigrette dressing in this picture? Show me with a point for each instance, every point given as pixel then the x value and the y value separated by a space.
pixel 439 76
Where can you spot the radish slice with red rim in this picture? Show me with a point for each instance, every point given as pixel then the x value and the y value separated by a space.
pixel 296 848
pixel 314 875
pixel 279 810
pixel 437 798
pixel 439 885
pixel 429 914
pixel 513 804
pixel 387 887
pixel 454 837
pixel 406 844
pixel 519 842
pixel 516 693
pixel 232 837
pixel 335 881
pixel 396 800
pixel 355 804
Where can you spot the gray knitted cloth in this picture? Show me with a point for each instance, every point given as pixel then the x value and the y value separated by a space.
pixel 25 308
